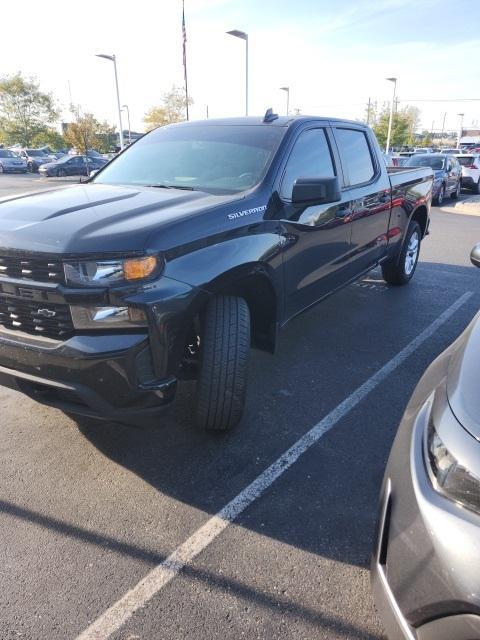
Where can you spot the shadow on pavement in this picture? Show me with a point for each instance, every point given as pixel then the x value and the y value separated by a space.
pixel 326 504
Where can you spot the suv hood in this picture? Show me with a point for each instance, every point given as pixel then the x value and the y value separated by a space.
pixel 463 379
pixel 95 218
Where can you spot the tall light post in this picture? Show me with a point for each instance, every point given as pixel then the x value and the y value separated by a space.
pixel 114 60
pixel 125 106
pixel 243 36
pixel 443 127
pixel 460 129
pixel 287 91
pixel 390 120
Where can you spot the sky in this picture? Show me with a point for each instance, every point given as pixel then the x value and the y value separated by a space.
pixel 334 56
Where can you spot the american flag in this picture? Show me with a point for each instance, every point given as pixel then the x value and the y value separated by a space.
pixel 184 34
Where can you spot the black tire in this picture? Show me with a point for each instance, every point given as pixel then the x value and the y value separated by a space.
pixel 1 168
pixel 30 167
pixel 224 350
pixel 476 188
pixel 395 272
pixel 456 193
pixel 438 201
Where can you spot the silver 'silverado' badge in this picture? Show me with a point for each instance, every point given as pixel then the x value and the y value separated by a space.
pixel 246 212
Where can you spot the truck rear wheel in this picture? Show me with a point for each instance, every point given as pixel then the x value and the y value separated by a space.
pixel 224 350
pixel 401 271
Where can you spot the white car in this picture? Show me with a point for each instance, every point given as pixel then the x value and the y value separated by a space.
pixel 470 171
pixel 423 150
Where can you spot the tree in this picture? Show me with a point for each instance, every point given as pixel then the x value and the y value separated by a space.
pixel 50 138
pixel 25 110
pixel 86 132
pixel 172 109
pixel 404 123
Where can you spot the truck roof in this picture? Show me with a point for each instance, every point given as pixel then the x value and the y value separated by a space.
pixel 280 121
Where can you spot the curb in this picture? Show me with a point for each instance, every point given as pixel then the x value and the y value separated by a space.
pixel 470 206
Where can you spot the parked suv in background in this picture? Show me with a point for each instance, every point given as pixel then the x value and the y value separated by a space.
pixel 447 174
pixel 470 171
pixel 34 158
pixel 10 162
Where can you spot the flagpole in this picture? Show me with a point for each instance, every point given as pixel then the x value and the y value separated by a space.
pixel 184 35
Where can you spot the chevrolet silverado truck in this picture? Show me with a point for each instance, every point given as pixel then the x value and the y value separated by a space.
pixel 194 244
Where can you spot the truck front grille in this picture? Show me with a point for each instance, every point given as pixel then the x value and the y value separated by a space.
pixel 38 269
pixel 37 318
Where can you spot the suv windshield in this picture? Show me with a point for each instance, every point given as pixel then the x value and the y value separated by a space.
pixel 212 158
pixel 426 161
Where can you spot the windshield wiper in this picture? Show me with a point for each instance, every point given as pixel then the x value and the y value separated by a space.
pixel 171 186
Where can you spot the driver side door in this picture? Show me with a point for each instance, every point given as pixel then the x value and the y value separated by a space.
pixel 316 236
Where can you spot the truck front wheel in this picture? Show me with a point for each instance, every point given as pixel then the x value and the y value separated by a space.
pixel 224 350
pixel 401 271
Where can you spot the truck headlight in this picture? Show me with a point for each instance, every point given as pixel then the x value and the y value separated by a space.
pixel 93 273
pixel 91 317
pixel 448 476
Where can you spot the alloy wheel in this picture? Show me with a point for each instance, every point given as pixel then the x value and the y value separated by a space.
pixel 412 253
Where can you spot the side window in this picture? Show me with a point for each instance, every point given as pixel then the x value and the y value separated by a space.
pixel 356 157
pixel 310 158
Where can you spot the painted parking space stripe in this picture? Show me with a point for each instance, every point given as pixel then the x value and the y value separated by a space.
pixel 120 612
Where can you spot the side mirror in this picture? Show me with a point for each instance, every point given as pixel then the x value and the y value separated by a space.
pixel 93 172
pixel 475 255
pixel 316 191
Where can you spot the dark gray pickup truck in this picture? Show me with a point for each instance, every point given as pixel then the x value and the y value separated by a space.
pixel 198 241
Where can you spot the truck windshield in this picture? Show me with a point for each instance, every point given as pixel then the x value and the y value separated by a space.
pixel 426 161
pixel 212 158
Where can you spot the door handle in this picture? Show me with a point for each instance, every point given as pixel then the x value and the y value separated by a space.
pixel 343 212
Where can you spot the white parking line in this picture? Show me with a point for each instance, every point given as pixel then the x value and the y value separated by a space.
pixel 118 614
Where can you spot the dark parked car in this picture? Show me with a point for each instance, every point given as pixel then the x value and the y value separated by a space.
pixel 71 166
pixel 33 157
pixel 426 561
pixel 10 162
pixel 448 174
pixel 200 239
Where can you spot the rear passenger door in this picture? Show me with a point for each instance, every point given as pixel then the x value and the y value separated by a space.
pixel 367 194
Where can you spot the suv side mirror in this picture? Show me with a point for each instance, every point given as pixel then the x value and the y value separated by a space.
pixel 316 191
pixel 475 256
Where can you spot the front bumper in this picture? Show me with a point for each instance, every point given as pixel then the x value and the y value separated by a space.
pixel 426 561
pixel 124 376
pixel 107 376
pixel 14 168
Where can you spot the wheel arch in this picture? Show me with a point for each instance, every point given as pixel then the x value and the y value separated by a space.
pixel 254 284
pixel 420 215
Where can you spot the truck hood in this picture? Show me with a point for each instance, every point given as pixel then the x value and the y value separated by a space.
pixel 463 379
pixel 95 218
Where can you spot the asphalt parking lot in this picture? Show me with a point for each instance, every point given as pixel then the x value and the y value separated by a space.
pixel 88 510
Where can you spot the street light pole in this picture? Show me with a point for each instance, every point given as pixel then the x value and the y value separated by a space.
pixel 460 130
pixel 390 120
pixel 287 91
pixel 243 36
pixel 443 128
pixel 125 106
pixel 113 59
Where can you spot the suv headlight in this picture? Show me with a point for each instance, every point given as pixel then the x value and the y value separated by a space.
pixel 448 476
pixel 90 317
pixel 92 273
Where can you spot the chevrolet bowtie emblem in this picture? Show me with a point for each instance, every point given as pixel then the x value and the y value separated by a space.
pixel 46 313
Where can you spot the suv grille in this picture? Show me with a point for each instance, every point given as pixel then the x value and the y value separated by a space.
pixel 38 269
pixel 37 318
